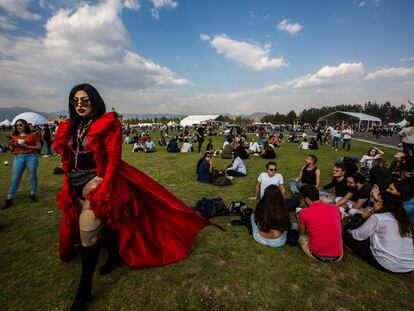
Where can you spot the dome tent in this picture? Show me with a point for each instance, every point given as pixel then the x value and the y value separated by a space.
pixel 6 122
pixel 31 117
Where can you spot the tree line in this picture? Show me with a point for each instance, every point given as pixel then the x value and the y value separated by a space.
pixel 386 112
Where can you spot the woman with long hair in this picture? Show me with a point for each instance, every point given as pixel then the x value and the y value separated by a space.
pixel 268 151
pixel 385 240
pixel 271 222
pixel 25 145
pixel 143 224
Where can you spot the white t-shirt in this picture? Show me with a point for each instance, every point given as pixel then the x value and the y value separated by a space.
pixel 266 181
pixel 186 147
pixel 367 160
pixel 304 145
pixel 225 143
pixel 254 147
pixel 407 135
pixel 337 133
pixel 392 251
pixel 331 130
pixel 347 133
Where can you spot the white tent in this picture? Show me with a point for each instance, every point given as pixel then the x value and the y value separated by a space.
pixel 350 116
pixel 171 123
pixel 198 119
pixel 6 122
pixel 31 117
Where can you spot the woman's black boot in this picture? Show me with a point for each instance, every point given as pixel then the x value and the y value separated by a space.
pixel 113 261
pixel 89 258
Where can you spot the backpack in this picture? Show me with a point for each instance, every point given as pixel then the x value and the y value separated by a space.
pixel 208 208
pixel 222 181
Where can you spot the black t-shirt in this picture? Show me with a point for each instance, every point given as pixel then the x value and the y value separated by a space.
pixel 200 136
pixel 341 188
pixel 364 193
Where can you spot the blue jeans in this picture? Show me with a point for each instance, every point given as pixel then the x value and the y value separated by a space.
pixel 19 164
pixel 335 142
pixel 47 147
pixel 296 185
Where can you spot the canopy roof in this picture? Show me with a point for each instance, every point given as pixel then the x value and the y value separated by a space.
pixel 344 115
pixel 197 119
pixel 31 117
pixel 6 122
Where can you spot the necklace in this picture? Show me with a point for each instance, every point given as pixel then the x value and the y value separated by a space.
pixel 80 136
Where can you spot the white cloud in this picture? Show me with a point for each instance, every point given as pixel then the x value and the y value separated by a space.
pixel 246 54
pixel 361 4
pixel 44 4
pixel 292 28
pixel 405 59
pixel 159 4
pixel 89 44
pixel 131 4
pixel 329 75
pixel 19 8
pixel 7 24
pixel 390 72
pixel 204 37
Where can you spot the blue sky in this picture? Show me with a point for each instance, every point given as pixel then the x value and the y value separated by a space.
pixel 194 56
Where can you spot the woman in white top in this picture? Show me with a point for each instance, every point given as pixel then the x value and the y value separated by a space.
pixel 186 147
pixel 237 167
pixel 385 240
pixel 368 159
pixel 304 145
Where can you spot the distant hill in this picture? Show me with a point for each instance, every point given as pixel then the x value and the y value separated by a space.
pixel 257 116
pixel 10 113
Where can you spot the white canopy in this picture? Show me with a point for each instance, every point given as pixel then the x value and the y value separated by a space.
pixel 345 116
pixel 6 122
pixel 31 117
pixel 197 119
pixel 172 123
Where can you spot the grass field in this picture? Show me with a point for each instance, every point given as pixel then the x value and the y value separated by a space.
pixel 225 271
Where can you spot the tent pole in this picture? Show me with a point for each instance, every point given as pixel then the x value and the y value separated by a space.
pixel 359 125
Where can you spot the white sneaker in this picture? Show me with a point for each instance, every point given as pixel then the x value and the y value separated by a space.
pixel 229 177
pixel 45 156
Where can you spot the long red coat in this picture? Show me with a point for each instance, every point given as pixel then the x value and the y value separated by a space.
pixel 155 227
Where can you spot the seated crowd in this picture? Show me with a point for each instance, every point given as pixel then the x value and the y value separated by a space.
pixel 374 202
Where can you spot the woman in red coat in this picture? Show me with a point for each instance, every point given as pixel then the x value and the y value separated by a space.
pixel 144 224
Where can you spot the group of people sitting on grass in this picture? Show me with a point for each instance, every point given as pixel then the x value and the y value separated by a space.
pixel 375 202
pixel 381 233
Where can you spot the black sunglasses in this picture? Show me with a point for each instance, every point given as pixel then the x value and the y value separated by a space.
pixel 272 169
pixel 83 101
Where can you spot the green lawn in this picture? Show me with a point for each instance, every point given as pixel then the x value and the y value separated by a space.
pixel 225 271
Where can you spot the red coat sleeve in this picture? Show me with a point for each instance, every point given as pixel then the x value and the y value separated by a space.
pixel 113 150
pixel 60 144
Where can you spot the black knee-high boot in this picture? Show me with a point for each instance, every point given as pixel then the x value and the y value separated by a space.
pixel 89 258
pixel 113 261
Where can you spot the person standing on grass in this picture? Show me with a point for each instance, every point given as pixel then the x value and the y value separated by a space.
pixel 309 175
pixel 347 133
pixel 200 137
pixel 385 240
pixel 336 137
pixel 103 194
pixel 25 145
pixel 407 137
pixel 320 232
